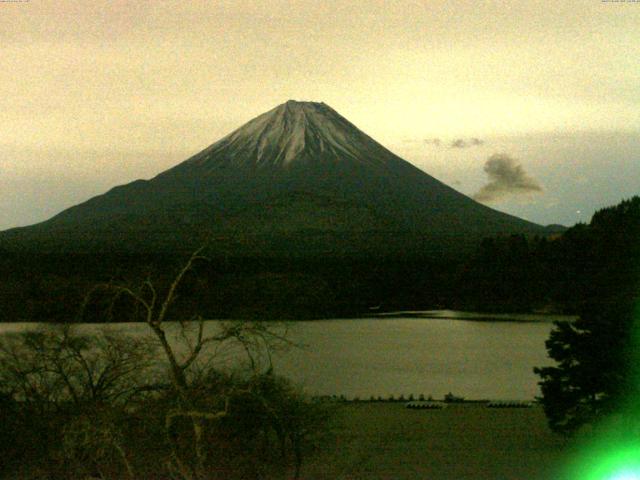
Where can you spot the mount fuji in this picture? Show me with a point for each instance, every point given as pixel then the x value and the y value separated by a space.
pixel 298 178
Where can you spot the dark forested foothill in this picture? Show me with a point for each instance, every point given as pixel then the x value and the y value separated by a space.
pixel 511 273
pixel 597 356
pixel 51 287
pixel 559 272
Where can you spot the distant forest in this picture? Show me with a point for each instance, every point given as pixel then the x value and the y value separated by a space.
pixel 508 273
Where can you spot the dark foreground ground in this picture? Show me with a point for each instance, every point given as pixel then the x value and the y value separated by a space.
pixel 462 441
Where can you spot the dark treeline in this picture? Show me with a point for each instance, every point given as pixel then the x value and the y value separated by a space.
pixel 509 273
pixel 588 261
pixel 51 287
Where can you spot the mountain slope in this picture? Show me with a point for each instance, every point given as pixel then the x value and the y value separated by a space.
pixel 300 176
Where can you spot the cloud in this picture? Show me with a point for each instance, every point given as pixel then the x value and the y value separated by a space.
pixel 455 143
pixel 462 143
pixel 506 178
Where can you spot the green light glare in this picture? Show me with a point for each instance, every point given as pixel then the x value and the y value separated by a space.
pixel 613 452
pixel 626 475
pixel 612 463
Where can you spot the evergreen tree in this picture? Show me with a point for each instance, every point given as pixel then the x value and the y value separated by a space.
pixel 595 365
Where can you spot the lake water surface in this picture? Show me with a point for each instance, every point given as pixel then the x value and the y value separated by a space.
pixel 430 353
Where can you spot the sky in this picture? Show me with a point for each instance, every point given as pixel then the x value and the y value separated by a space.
pixel 529 107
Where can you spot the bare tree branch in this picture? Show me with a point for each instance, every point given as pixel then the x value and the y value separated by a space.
pixel 169 299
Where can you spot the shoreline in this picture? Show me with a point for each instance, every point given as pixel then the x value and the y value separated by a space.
pixel 444 314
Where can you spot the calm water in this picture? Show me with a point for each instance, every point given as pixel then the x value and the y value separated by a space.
pixel 429 353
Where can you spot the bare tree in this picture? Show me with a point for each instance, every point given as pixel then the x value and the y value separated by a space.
pixel 56 373
pixel 104 388
pixel 256 339
pixel 55 365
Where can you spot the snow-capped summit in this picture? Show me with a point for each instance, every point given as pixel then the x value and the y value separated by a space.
pixel 299 132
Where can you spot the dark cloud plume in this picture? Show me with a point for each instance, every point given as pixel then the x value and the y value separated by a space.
pixel 462 143
pixel 506 178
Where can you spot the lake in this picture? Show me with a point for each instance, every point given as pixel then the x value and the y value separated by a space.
pixel 430 353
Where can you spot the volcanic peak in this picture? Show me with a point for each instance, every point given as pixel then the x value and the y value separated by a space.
pixel 292 132
pixel 299 171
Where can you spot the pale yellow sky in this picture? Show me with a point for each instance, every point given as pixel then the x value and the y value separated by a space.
pixel 140 84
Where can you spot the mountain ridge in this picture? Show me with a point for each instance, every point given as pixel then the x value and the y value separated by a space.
pixel 298 169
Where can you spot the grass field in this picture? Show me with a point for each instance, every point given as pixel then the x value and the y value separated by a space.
pixel 462 441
